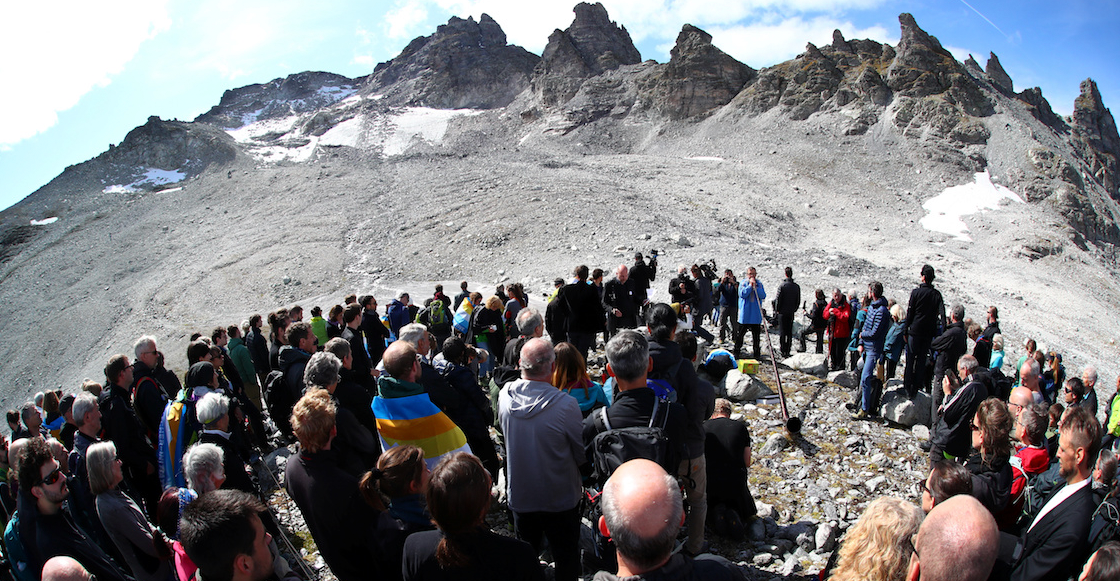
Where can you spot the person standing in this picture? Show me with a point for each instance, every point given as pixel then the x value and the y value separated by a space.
pixel 728 305
pixel 787 303
pixel 542 427
pixel 751 295
pixel 871 343
pixel 925 317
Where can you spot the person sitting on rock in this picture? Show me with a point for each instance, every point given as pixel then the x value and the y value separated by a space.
pixel 1032 458
pixel 950 346
pixel 727 451
pixel 642 511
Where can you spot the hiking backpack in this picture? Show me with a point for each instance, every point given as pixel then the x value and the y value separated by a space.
pixel 614 446
pixel 277 398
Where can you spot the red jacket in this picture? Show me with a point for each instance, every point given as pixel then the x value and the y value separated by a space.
pixel 842 327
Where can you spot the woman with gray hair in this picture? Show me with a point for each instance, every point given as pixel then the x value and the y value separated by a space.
pixel 143 546
pixel 355 445
pixel 213 413
pixel 203 468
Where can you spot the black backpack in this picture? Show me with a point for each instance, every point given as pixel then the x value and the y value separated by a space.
pixel 614 446
pixel 278 400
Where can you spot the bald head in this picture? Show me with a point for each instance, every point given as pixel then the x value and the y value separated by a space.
pixel 958 541
pixel 400 361
pixel 537 358
pixel 64 568
pixel 643 510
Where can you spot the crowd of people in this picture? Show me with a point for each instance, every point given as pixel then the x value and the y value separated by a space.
pixel 405 421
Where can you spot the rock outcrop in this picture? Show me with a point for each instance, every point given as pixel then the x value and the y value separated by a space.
pixel 291 95
pixel 590 46
pixel 1039 107
pixel 997 75
pixel 171 145
pixel 464 64
pixel 697 79
pixel 1094 135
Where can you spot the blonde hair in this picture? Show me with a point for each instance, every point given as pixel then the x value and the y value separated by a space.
pixel 877 548
pixel 494 303
pixel 312 419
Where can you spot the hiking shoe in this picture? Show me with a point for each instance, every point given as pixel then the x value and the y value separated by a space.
pixel 860 415
pixel 851 407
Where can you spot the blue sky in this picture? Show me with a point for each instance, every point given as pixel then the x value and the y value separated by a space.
pixel 79 75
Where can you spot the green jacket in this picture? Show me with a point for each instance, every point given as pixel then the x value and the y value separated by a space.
pixel 239 354
pixel 390 387
pixel 319 327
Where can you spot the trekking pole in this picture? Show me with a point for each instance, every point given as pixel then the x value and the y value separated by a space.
pixel 793 425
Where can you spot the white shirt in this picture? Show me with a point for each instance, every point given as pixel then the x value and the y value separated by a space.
pixel 1061 496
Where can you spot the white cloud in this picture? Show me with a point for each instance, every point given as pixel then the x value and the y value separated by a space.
pixel 53 53
pixel 765 44
pixel 404 20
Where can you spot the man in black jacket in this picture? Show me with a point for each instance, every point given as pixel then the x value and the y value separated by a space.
pixel 362 367
pixel 149 396
pixel 949 346
pixel 1054 545
pixel 682 289
pixel 213 413
pixel 643 274
pixel 258 350
pixel 620 301
pixel 585 311
pixel 817 323
pixel 121 427
pixel 925 316
pixel 373 330
pixel 786 304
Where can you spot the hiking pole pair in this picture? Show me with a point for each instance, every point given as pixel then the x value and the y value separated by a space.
pixel 793 425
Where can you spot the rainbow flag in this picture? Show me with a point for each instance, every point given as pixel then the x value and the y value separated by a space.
pixel 417 421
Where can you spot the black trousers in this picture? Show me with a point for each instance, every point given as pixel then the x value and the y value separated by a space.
pixel 562 531
pixel 915 375
pixel 756 331
pixel 785 333
pixel 820 338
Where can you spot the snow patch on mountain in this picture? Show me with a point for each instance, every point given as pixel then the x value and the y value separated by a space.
pixel 947 208
pixel 151 177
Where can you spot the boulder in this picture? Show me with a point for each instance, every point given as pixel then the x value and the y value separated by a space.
pixel 810 363
pixel 742 387
pixel 844 378
pixel 900 409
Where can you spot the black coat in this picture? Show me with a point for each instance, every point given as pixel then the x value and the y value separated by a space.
pixel 789 298
pixel 232 463
pixel 340 521
pixel 585 311
pixel 991 481
pixel 621 296
pixel 120 425
pixel 950 345
pixel 953 431
pixel 925 314
pixel 642 274
pixel 258 349
pixel 1055 547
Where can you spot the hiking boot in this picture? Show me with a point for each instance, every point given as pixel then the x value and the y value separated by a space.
pixel 850 406
pixel 861 415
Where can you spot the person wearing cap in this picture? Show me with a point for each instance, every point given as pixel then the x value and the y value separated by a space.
pixel 925 318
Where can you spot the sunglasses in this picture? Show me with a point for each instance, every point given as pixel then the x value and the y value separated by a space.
pixel 54 476
pixel 922 485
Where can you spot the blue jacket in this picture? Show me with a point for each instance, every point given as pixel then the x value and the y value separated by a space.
pixel 398 316
pixel 749 314
pixel 895 342
pixel 876 325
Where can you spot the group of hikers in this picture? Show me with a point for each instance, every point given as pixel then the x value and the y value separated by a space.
pixel 410 424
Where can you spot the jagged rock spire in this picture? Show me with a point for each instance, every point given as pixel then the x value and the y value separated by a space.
pixel 698 77
pixel 997 74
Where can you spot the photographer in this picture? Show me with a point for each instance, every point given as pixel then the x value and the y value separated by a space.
pixel 728 305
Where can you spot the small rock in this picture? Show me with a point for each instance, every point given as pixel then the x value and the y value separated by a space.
pixel 286 280
pixel 774 444
pixel 826 537
pixel 743 387
pixel 810 363
pixel 791 566
pixel 764 510
pixel 874 483
pixel 920 432
pixel 757 530
pixel 762 559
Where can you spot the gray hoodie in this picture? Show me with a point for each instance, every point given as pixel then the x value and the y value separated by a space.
pixel 544 446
